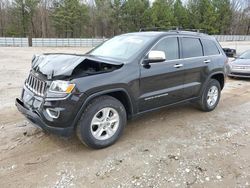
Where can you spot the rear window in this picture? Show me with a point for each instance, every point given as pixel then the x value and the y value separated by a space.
pixel 191 47
pixel 210 47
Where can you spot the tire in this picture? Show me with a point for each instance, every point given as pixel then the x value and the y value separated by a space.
pixel 204 103
pixel 102 122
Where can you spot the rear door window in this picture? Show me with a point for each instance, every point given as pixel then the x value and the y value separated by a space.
pixel 170 46
pixel 209 47
pixel 191 47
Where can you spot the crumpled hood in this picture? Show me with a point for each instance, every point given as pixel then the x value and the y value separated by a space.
pixel 53 65
pixel 241 62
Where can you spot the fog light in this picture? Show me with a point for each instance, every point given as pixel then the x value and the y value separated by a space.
pixel 53 113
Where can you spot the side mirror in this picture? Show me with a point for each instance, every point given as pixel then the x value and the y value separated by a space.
pixel 155 57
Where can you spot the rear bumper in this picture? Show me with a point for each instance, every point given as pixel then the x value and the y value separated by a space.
pixel 37 120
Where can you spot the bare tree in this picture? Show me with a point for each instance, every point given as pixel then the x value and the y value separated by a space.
pixel 2 17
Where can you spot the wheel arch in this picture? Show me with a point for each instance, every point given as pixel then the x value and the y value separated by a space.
pixel 120 94
pixel 220 77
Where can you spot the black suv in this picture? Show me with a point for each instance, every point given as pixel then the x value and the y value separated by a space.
pixel 94 94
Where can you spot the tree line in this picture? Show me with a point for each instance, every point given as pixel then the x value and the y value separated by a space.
pixel 106 18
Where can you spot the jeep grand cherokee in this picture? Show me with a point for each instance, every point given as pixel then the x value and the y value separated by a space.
pixel 94 94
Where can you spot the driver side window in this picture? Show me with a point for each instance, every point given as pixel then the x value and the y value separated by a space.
pixel 170 46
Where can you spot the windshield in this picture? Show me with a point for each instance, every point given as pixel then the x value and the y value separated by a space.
pixel 245 55
pixel 122 47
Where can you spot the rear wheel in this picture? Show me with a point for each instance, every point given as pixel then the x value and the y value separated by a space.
pixel 210 96
pixel 102 122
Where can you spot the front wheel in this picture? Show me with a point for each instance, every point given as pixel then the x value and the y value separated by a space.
pixel 102 122
pixel 210 96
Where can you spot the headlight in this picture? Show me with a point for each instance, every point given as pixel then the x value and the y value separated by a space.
pixel 61 86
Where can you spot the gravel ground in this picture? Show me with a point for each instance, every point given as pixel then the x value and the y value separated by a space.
pixel 174 147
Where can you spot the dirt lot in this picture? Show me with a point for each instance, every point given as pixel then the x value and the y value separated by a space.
pixel 174 147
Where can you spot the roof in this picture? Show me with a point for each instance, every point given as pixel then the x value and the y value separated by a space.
pixel 170 32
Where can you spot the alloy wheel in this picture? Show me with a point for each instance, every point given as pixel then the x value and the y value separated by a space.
pixel 105 123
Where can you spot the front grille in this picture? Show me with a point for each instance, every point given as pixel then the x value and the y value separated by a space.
pixel 238 67
pixel 36 85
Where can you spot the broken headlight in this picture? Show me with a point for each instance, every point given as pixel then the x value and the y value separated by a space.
pixel 61 86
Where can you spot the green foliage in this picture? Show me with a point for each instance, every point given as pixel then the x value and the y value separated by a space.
pixel 214 16
pixel 202 15
pixel 180 15
pixel 208 16
pixel 103 16
pixel 135 15
pixel 69 17
pixel 162 13
pixel 116 16
pixel 223 14
pixel 106 18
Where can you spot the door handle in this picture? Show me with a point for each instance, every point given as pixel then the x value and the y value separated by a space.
pixel 207 61
pixel 178 65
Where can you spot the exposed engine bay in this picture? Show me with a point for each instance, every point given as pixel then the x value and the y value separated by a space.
pixel 91 67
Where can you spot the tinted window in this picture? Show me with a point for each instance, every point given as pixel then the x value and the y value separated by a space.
pixel 170 46
pixel 209 47
pixel 191 47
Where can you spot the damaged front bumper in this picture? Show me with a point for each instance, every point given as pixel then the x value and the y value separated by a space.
pixel 37 120
pixel 41 111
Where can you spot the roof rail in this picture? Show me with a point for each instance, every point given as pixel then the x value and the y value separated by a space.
pixel 196 30
pixel 159 28
pixel 173 29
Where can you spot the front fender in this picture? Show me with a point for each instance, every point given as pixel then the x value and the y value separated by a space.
pixel 100 93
